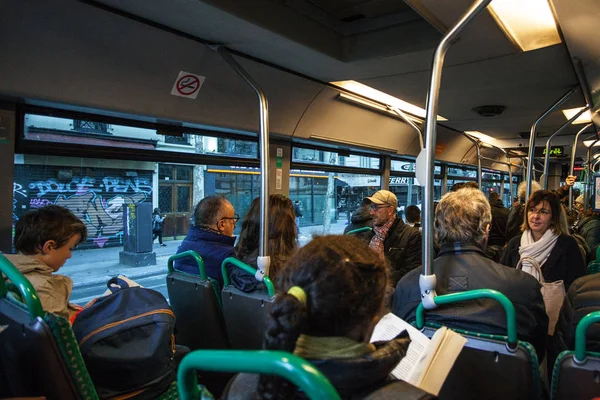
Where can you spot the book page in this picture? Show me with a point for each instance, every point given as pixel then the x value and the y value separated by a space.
pixel 391 326
pixel 444 348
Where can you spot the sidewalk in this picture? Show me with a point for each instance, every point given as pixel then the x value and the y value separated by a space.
pixel 94 267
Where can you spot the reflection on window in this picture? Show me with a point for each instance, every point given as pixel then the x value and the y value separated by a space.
pixel 333 158
pixel 462 171
pixel 64 130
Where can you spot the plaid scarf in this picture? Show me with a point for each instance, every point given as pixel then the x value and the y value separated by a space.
pixel 381 232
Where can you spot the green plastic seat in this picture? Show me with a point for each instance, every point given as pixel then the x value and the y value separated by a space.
pixel 576 374
pixel 196 302
pixel 246 314
pixel 593 268
pixel 489 366
pixel 39 354
pixel 293 368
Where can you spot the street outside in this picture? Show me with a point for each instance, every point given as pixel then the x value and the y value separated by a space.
pixel 91 269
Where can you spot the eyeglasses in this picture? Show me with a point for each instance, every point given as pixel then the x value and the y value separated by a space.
pixel 376 207
pixel 235 218
pixel 541 212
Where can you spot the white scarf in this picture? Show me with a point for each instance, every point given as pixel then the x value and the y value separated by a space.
pixel 539 250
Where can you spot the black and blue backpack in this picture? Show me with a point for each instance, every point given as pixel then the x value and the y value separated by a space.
pixel 127 342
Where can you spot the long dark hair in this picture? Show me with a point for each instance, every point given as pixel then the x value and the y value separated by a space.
pixel 282 231
pixel 344 282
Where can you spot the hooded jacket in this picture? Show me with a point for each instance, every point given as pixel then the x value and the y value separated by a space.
pixel 211 246
pixel 53 289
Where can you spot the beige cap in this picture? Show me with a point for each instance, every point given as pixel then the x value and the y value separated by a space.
pixel 383 197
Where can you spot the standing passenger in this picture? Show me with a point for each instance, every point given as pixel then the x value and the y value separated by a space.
pixel 392 238
pixel 44 239
pixel 499 221
pixel 546 238
pixel 462 222
pixel 211 237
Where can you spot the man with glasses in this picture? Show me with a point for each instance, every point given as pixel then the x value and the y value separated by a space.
pixel 211 237
pixel 391 237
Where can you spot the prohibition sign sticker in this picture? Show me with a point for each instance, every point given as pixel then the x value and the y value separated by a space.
pixel 187 85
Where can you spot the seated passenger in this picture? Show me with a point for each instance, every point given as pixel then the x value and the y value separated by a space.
pixel 391 237
pixel 588 225
pixel 282 240
pixel 413 216
pixel 582 298
pixel 361 218
pixel 44 238
pixel 211 237
pixel 310 319
pixel 546 238
pixel 462 223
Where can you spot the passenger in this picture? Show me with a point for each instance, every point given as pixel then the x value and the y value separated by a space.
pixel 44 239
pixel 546 238
pixel 582 298
pixel 361 218
pixel 413 216
pixel 391 237
pixel 499 220
pixel 298 213
pixel 330 298
pixel 462 222
pixel 211 237
pixel 462 185
pixel 282 240
pixel 588 225
pixel 517 213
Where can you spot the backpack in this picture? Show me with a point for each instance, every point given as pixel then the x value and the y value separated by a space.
pixel 126 340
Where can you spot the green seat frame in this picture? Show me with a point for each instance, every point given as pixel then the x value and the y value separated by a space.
pixel 246 314
pixel 576 374
pixel 489 366
pixel 293 368
pixel 196 302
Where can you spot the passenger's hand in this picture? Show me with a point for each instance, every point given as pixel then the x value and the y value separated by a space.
pixel 570 181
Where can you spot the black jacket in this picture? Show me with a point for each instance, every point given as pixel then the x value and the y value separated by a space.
pixel 462 267
pixel 353 378
pixel 589 228
pixel 499 223
pixel 402 248
pixel 514 221
pixel 564 263
pixel 360 218
pixel 582 298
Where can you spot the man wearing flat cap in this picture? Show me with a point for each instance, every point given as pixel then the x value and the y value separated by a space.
pixel 391 237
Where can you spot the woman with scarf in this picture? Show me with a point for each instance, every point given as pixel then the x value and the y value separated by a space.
pixel 546 238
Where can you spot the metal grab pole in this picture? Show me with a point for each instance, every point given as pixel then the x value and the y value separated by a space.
pixel 263 144
pixel 532 134
pixel 510 180
pixel 478 149
pixel 571 170
pixel 427 280
pixel 588 166
pixel 407 119
pixel 547 155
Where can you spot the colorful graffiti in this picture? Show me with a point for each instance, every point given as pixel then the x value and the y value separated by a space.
pixel 99 203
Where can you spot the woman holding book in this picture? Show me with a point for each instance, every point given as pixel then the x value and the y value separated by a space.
pixel 331 297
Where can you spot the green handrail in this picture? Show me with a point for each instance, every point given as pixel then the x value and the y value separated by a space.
pixel 189 253
pixel 288 366
pixel 232 260
pixel 511 318
pixel 580 332
pixel 598 254
pixel 31 297
pixel 359 230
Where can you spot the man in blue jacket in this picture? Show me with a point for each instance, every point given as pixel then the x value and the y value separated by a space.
pixel 211 237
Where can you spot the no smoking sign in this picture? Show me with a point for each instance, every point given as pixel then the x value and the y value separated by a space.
pixel 187 85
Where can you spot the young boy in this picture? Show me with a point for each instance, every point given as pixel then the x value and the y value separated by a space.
pixel 44 238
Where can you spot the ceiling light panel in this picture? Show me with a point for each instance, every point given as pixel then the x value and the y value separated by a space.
pixel 584 118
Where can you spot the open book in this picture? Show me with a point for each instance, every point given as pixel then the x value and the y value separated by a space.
pixel 428 361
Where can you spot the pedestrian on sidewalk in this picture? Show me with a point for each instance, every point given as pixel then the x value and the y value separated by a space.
pixel 157 226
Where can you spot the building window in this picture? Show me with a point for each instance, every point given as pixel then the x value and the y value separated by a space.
pixel 175 193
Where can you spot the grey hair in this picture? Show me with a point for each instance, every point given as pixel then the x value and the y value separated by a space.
pixel 462 216
pixel 209 211
pixel 522 190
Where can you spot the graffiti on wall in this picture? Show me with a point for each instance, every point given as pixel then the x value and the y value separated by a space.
pixel 98 202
